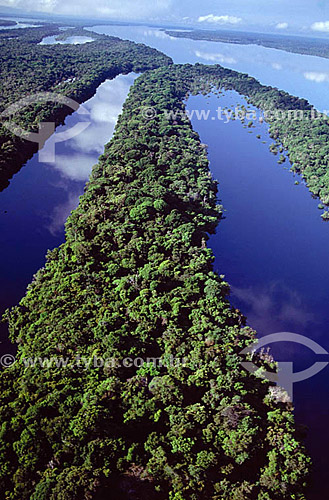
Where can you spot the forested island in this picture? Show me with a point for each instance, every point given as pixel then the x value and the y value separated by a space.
pixel 295 125
pixel 6 22
pixel 74 71
pixel 289 43
pixel 135 280
pixel 77 70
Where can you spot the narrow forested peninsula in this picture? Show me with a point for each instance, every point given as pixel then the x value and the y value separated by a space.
pixel 135 279
pixel 7 22
pixel 75 71
pixel 312 46
pixel 294 124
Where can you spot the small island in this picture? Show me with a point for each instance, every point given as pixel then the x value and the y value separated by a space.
pixel 7 22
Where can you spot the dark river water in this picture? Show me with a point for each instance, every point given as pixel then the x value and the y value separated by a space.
pixel 273 248
pixel 34 207
pixel 272 245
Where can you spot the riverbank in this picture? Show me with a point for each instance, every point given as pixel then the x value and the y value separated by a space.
pixel 73 71
pixel 134 279
pixel 296 44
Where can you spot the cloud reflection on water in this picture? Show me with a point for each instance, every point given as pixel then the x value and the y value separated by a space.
pixel 274 304
pixel 76 157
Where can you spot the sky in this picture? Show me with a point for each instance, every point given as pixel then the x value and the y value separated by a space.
pixel 285 16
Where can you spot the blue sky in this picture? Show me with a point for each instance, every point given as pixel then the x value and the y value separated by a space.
pixel 285 16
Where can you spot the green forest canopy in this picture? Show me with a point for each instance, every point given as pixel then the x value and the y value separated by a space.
pixel 289 43
pixel 75 71
pixel 135 279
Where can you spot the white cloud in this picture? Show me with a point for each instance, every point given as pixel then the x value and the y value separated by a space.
pixel 129 9
pixel 277 66
pixel 317 77
pixel 211 18
pixel 282 26
pixel 266 312
pixel 219 58
pixel 37 5
pixel 72 40
pixel 321 26
pixel 76 167
pixel 104 109
pixel 60 213
pixel 160 34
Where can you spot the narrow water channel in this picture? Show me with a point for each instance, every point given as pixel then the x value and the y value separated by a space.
pixel 35 206
pixel 272 246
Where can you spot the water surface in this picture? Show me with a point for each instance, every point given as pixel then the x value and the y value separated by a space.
pixel 34 207
pixel 71 40
pixel 273 248
pixel 301 75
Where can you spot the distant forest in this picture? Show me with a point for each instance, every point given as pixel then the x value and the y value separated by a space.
pixel 6 22
pixel 135 280
pixel 75 71
pixel 297 44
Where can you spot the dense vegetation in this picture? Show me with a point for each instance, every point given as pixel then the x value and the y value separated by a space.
pixel 289 43
pixel 135 279
pixel 6 22
pixel 294 124
pixel 71 70
pixel 77 70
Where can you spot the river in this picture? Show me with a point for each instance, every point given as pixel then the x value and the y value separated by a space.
pixel 40 196
pixel 272 245
pixel 300 75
